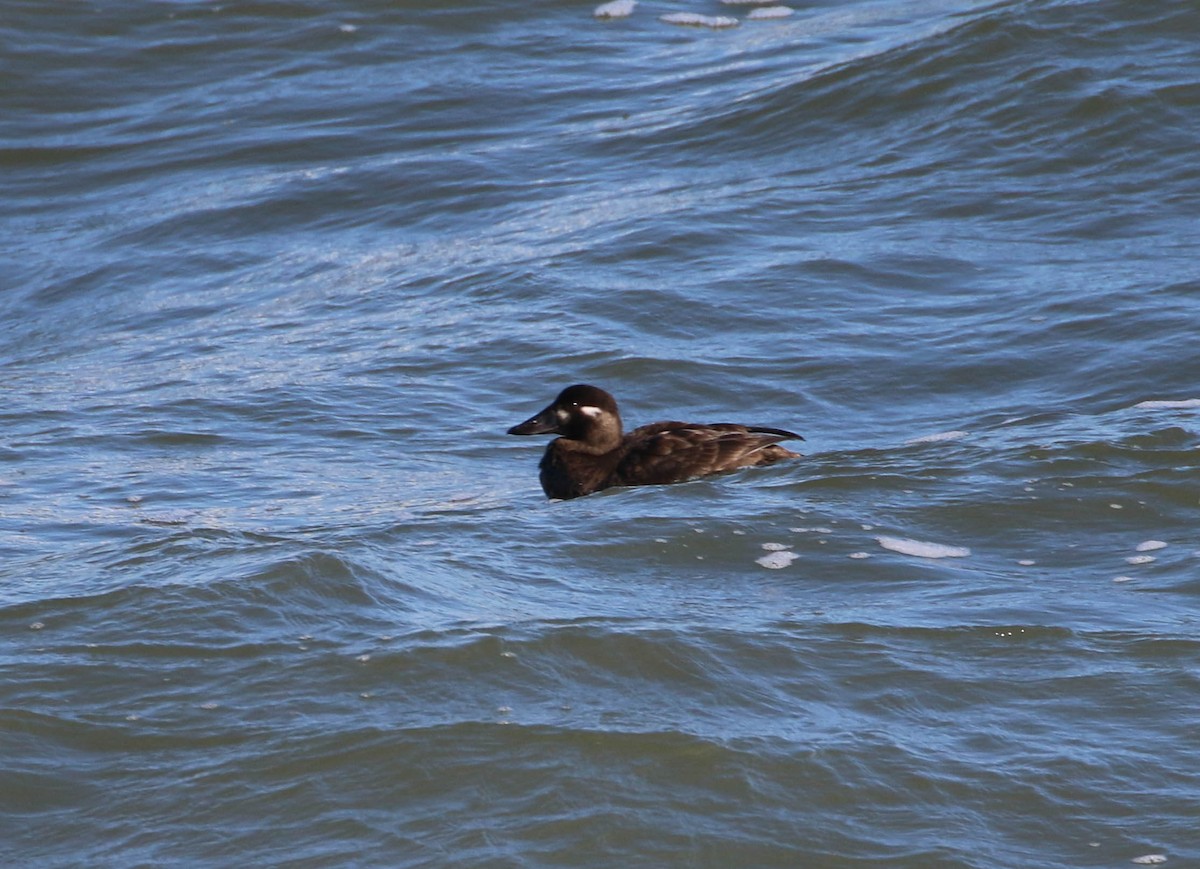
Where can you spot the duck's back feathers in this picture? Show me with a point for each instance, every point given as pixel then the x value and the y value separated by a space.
pixel 668 452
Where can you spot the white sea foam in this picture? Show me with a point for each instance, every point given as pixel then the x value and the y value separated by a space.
pixel 776 560
pixel 615 9
pixel 1122 579
pixel 764 13
pixel 775 547
pixel 939 436
pixel 1140 559
pixel 860 555
pixel 1150 545
pixel 921 549
pixel 1149 859
pixel 1169 405
pixel 746 2
pixel 692 19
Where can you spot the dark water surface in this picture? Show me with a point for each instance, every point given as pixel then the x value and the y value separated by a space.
pixel 276 590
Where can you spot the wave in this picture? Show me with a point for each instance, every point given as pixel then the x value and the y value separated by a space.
pixel 1010 87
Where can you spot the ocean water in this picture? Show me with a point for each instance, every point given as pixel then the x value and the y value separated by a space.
pixel 277 590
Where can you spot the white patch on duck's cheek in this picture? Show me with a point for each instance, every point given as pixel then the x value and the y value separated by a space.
pixel 590 411
pixel 562 416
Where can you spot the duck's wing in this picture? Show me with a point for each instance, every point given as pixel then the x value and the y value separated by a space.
pixel 668 452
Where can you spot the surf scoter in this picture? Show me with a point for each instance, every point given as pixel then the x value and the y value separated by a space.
pixel 593 454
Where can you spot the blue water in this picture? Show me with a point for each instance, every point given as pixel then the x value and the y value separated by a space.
pixel 277 590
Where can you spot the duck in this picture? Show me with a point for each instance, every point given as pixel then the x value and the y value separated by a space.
pixel 593 453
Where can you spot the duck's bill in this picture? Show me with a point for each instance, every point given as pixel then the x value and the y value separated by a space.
pixel 543 423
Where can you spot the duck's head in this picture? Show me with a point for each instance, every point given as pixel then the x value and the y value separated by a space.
pixel 580 413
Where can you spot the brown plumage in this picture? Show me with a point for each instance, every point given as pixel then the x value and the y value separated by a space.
pixel 592 453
